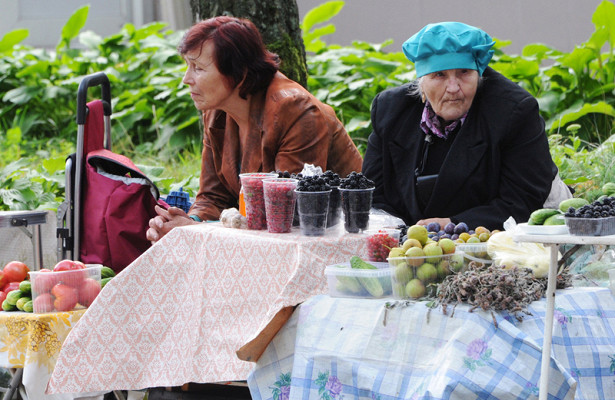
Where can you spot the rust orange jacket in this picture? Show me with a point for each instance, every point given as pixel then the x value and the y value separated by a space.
pixel 288 127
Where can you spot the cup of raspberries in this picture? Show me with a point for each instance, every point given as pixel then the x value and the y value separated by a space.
pixel 254 198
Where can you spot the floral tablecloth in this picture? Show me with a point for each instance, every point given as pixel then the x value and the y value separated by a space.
pixel 332 349
pixel 181 311
pixel 33 342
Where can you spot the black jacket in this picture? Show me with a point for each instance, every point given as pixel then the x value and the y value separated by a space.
pixel 498 165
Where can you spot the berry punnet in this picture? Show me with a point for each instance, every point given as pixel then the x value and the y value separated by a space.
pixel 279 203
pixel 357 192
pixel 598 209
pixel 313 202
pixel 335 199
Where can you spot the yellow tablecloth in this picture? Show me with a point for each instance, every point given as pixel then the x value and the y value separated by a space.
pixel 33 342
pixel 181 311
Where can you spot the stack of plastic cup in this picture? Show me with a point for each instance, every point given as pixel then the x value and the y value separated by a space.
pixel 279 203
pixel 254 198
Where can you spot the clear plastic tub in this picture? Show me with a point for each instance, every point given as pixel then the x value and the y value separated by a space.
pixel 344 281
pixel 475 252
pixel 416 277
pixel 591 226
pixel 65 290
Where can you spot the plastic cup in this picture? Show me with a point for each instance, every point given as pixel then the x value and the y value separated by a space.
pixel 356 204
pixel 313 207
pixel 334 212
pixel 279 203
pixel 254 198
pixel 380 242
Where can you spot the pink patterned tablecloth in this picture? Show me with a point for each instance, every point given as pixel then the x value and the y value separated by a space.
pixel 180 312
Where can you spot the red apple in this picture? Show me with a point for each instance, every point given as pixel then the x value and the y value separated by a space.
pixel 88 291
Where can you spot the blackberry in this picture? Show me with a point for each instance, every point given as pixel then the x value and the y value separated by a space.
pixel 312 184
pixel 356 180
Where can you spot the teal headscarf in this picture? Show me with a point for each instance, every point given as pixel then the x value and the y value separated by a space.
pixel 449 45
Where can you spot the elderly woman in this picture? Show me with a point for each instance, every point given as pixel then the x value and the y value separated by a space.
pixel 461 143
pixel 256 119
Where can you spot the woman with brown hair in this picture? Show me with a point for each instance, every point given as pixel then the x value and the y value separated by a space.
pixel 256 119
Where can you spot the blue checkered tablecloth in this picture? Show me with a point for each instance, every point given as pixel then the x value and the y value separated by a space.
pixel 340 348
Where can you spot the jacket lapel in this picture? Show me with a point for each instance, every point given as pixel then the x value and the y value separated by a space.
pixel 462 160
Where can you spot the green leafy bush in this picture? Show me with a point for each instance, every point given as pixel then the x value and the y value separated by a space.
pixel 154 121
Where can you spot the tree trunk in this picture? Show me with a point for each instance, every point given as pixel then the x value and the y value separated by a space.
pixel 277 21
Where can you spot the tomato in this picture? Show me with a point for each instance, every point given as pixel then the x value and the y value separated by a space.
pixel 2 296
pixel 68 265
pixel 66 297
pixel 88 291
pixel 10 286
pixel 43 282
pixel 15 271
pixel 43 303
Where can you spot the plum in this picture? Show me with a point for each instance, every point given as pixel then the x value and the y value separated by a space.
pixel 433 227
pixel 449 228
pixel 460 228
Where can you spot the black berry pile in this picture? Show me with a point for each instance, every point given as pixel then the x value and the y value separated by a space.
pixel 313 184
pixel 283 174
pixel 597 209
pixel 331 178
pixel 356 180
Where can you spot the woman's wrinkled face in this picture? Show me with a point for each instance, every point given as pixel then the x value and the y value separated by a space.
pixel 209 89
pixel 450 92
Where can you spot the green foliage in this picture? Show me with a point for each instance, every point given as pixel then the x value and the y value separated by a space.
pixel 154 121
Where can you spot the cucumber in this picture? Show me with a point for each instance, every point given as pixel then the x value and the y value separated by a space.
pixel 575 202
pixel 372 285
pixel 539 216
pixel 349 284
pixel 557 219
pixel 106 272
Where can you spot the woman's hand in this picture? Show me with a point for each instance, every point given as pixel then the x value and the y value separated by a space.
pixel 166 220
pixel 442 221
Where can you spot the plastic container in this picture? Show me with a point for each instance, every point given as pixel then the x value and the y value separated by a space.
pixel 356 204
pixel 179 198
pixel 591 226
pixel 334 213
pixel 415 277
pixel 254 198
pixel 612 281
pixel 65 290
pixel 345 281
pixel 313 208
pixel 475 252
pixel 380 242
pixel 279 203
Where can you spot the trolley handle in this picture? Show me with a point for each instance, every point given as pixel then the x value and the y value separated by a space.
pixel 96 79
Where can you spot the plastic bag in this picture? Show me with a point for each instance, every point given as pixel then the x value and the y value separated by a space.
pixel 504 251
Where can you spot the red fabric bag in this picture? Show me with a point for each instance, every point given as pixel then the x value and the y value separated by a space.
pixel 118 202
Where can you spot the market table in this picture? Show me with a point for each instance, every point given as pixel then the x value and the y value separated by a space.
pixel 188 307
pixel 334 348
pixel 31 344
pixel 554 242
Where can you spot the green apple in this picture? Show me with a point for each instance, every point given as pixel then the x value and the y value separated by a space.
pixel 427 273
pixel 416 255
pixel 447 245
